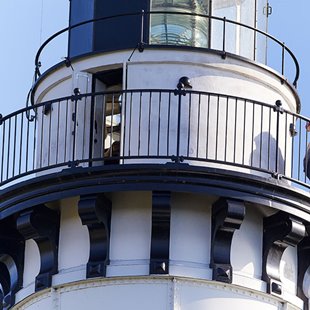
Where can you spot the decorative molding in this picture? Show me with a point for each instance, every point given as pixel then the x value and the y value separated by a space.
pixel 95 213
pixel 160 240
pixel 227 217
pixel 12 248
pixel 280 231
pixel 42 225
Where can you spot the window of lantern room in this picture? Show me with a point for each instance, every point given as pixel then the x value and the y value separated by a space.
pixel 179 26
pixel 239 39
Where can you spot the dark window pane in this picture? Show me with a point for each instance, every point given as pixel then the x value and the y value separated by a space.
pixel 81 38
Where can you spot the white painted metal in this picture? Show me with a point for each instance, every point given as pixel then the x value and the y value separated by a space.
pixel 154 293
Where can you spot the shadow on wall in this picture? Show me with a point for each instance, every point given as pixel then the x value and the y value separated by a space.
pixel 265 154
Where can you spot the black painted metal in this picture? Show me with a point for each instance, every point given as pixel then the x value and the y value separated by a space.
pixel 42 225
pixel 173 177
pixel 120 18
pixel 160 240
pixel 11 263
pixel 25 143
pixel 227 217
pixel 303 268
pixel 95 213
pixel 280 231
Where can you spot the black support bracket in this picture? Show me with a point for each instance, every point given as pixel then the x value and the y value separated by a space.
pixel 303 268
pixel 280 231
pixel 160 242
pixel 12 248
pixel 42 225
pixel 227 217
pixel 95 213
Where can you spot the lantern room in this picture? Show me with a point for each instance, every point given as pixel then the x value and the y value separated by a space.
pixel 207 24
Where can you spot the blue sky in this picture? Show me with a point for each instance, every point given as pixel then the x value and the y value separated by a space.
pixel 24 25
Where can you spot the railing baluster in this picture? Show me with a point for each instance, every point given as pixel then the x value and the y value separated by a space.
pixel 34 138
pixel 14 146
pixel 142 28
pixel 8 151
pixel 269 139
pixel 198 125
pixel 104 124
pixel 306 158
pixel 244 130
pixel 149 125
pixel 217 125
pixel 253 127
pixel 299 148
pixel 208 122
pixel 57 132
pixel 21 142
pixel 139 125
pixel 285 145
pixel 283 60
pixel 130 121
pixel 123 118
pixel 159 123
pixel 111 126
pixel 226 130
pixel 235 130
pixel 84 106
pixel 189 123
pixel 224 37
pixel 261 131
pixel 66 132
pixel 50 119
pixel 168 125
pixel 3 147
pixel 41 141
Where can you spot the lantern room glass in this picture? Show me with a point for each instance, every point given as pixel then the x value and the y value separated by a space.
pixel 172 28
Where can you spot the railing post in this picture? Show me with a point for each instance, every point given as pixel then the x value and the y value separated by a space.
pixel 37 72
pixel 74 98
pixel 283 60
pixel 224 38
pixel 184 82
pixel 91 131
pixel 141 44
pixel 279 110
pixel 180 93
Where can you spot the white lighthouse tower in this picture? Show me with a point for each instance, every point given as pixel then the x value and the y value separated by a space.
pixel 160 165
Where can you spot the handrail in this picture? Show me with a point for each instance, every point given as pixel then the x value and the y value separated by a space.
pixel 236 132
pixel 143 13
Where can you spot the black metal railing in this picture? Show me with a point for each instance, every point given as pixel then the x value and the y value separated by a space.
pixel 155 126
pixel 220 39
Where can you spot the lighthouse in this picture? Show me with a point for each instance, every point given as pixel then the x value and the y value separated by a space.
pixel 161 163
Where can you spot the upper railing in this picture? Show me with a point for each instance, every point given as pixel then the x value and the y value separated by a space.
pixel 222 34
pixel 156 126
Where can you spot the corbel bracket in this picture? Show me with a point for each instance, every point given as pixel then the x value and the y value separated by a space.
pixel 160 240
pixel 304 268
pixel 12 248
pixel 280 231
pixel 95 213
pixel 227 217
pixel 42 225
